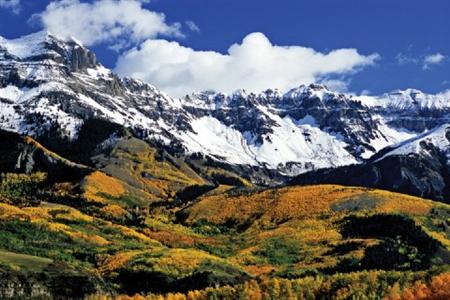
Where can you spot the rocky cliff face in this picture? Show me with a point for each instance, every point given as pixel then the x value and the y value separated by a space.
pixel 49 284
pixel 24 155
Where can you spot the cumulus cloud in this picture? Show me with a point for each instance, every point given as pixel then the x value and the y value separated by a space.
pixel 434 59
pixel 255 64
pixel 119 22
pixel 12 4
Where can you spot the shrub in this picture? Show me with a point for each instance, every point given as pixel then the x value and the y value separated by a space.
pixel 280 251
pixel 21 189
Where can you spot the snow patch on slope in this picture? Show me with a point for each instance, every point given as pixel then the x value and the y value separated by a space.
pixel 11 93
pixel 26 46
pixel 99 72
pixel 211 137
pixel 407 99
pixel 390 136
pixel 301 141
pixel 291 142
pixel 438 137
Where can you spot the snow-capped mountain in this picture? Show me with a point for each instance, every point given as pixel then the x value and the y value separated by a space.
pixel 409 99
pixel 304 129
pixel 49 87
pixel 56 85
pixel 411 109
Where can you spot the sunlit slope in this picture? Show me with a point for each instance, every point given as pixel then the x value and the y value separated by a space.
pixel 325 228
pixel 142 166
pixel 280 205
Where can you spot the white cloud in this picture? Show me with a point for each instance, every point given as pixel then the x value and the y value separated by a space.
pixel 337 85
pixel 425 61
pixel 403 59
pixel 255 64
pixel 192 26
pixel 434 59
pixel 12 4
pixel 119 22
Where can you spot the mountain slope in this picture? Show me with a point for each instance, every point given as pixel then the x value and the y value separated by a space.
pixel 419 166
pixel 305 129
pixel 109 186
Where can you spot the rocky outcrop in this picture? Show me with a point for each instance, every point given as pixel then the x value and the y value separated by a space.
pixel 19 286
pixel 24 155
pixel 81 59
pixel 51 283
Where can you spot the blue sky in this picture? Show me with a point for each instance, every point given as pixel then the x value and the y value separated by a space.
pixel 402 32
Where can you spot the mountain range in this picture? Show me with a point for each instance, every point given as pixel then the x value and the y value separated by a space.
pixel 49 88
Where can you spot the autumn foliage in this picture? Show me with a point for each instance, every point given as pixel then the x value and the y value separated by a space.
pixel 437 289
pixel 278 205
pixel 364 286
pixel 100 183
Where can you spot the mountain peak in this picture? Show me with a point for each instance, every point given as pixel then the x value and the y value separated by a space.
pixel 43 45
pixel 240 93
pixel 34 44
pixel 24 46
pixel 39 37
pixel 407 92
pixel 318 87
pixel 413 98
pixel 315 90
